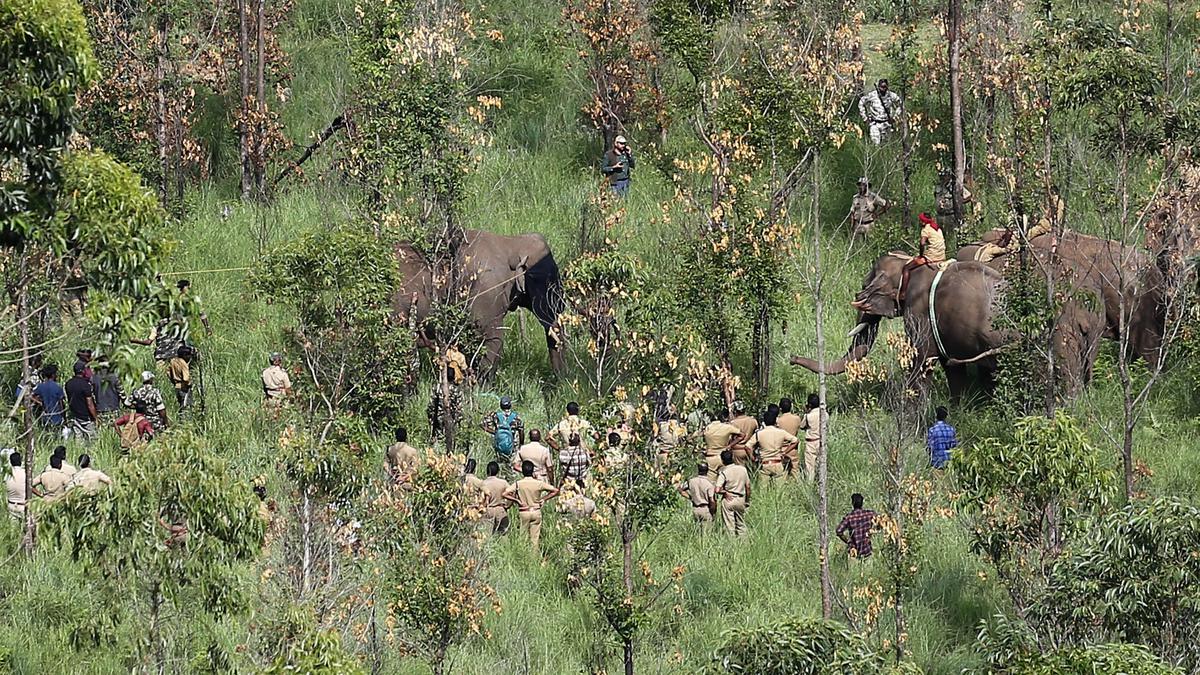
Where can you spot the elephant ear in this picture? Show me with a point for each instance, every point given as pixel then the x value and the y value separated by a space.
pixel 878 296
pixel 519 270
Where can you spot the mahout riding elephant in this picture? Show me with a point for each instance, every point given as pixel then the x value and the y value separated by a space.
pixel 500 273
pixel 959 331
pixel 1108 266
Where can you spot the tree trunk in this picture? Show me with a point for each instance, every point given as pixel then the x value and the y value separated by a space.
pixel 243 124
pixel 627 576
pixel 953 31
pixel 822 454
pixel 761 348
pixel 160 125
pixel 23 280
pixel 260 100
pixel 306 543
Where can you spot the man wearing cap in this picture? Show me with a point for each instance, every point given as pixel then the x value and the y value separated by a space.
pixel 881 110
pixel 534 451
pixel 506 429
pixel 617 164
pixel 275 381
pixel 106 390
pixel 81 405
pixel 746 426
pixel 866 208
pixel 151 400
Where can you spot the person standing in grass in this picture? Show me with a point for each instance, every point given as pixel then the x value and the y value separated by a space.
pixel 534 451
pixel 855 528
pixel 719 436
pixel 275 381
pixel 572 425
pixel 133 429
pixel 700 491
pixel 49 396
pixel 941 439
pixel 791 423
pixel 87 478
pixel 106 388
pixel 403 460
pixel 495 506
pixel 81 405
pixel 577 505
pixel 179 371
pixel 151 400
pixel 773 445
pixel 529 494
pixel 746 425
pixel 814 419
pixel 53 481
pixel 618 162
pixel 733 486
pixel 14 485
pixel 506 428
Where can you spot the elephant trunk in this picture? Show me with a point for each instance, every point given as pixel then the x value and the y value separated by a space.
pixel 864 335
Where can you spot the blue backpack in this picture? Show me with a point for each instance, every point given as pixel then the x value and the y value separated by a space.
pixel 504 439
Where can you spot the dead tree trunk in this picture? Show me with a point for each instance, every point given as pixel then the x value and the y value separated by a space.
pixel 822 454
pixel 22 313
pixel 243 123
pixel 953 34
pixel 260 100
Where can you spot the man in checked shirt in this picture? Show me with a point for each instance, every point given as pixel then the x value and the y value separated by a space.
pixel 940 439
pixel 855 528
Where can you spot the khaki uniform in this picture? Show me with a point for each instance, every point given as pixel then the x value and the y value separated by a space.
pixel 989 251
pixel 716 439
pixel 574 424
pixel 865 209
pixel 538 454
pixel 935 244
pixel 456 366
pixel 53 483
pixel 734 482
pixel 528 492
pixel 89 480
pixel 473 482
pixel 746 425
pixel 495 509
pixel 790 422
pixel 812 442
pixel 667 435
pixel 275 382
pixel 15 486
pixel 701 491
pixel 578 506
pixel 68 469
pixel 770 441
pixel 402 460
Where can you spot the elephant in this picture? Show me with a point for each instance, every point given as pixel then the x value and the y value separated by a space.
pixel 501 273
pixel 1105 266
pixel 964 305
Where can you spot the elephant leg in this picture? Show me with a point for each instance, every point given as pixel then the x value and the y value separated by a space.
pixel 493 344
pixel 554 345
pixel 957 380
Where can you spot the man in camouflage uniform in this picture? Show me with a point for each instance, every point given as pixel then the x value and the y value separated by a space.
pixel 866 208
pixel 151 398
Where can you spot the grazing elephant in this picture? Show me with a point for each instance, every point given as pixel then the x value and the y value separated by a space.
pixel 959 331
pixel 501 273
pixel 1107 266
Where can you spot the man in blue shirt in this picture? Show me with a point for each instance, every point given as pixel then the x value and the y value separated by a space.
pixel 49 396
pixel 940 439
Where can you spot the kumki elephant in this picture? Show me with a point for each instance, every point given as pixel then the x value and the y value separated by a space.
pixel 500 273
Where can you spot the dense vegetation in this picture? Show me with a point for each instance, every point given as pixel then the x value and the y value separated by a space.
pixel 156 141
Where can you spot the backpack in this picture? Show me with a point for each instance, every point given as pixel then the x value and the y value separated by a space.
pixel 503 440
pixel 131 437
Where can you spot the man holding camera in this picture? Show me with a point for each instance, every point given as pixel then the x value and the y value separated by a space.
pixel 617 164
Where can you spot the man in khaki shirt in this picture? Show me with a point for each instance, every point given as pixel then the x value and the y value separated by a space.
pixel 746 425
pixel 275 380
pixel 812 435
pixel 14 485
pixel 577 505
pixel 403 460
pixel 772 443
pixel 534 451
pixel 53 481
pixel 719 436
pixel 87 478
pixel 529 494
pixel 495 507
pixel 789 422
pixel 733 485
pixel 60 451
pixel 560 436
pixel 701 492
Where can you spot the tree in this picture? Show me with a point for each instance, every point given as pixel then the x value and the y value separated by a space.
pixel 60 209
pixel 1027 494
pixel 1133 578
pixel 424 540
pixel 620 582
pixel 168 534
pixel 1010 649
pixel 259 130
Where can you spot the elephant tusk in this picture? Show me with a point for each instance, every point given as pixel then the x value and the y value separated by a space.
pixel 862 325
